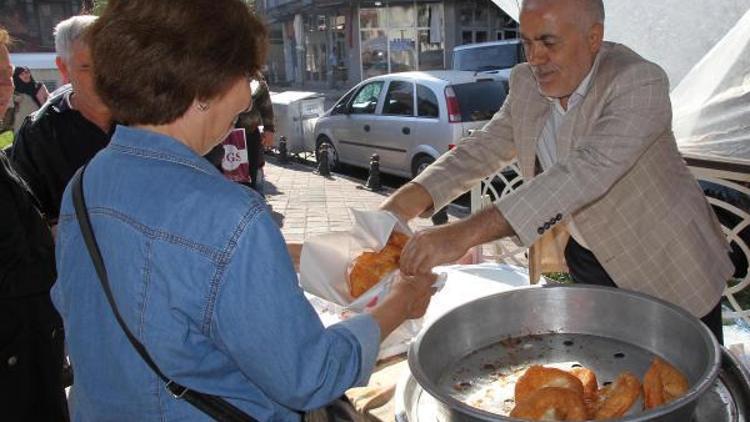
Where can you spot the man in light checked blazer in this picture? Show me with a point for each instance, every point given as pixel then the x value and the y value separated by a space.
pixel 605 188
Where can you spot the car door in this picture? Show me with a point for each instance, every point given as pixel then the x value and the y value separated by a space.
pixel 354 133
pixel 392 136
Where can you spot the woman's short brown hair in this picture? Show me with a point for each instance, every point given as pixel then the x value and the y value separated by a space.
pixel 153 58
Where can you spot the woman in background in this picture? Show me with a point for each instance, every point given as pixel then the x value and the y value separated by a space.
pixel 29 95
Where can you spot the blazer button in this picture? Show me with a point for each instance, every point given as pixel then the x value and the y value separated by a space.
pixel 540 230
pixel 547 226
pixel 558 217
pixel 12 361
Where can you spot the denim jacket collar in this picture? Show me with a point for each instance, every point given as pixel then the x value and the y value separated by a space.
pixel 148 144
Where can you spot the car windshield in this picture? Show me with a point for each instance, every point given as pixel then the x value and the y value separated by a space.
pixel 479 100
pixel 490 57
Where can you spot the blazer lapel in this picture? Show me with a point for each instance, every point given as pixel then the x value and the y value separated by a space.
pixel 535 118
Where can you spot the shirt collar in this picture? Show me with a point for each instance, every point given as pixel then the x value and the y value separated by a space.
pixel 158 146
pixel 580 92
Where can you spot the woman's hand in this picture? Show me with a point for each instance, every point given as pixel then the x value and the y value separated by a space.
pixel 419 289
pixel 408 299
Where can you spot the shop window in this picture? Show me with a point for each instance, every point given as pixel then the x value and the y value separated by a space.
pixel 427 103
pixel 400 99
pixel 481 36
pixel 431 54
pixel 403 50
pixel 401 15
pixel 366 100
pixel 372 15
pixel 467 37
pixel 374 53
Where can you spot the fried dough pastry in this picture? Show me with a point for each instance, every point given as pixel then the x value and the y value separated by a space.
pixel 551 404
pixel 537 377
pixel 590 387
pixel 614 400
pixel 662 384
pixel 370 267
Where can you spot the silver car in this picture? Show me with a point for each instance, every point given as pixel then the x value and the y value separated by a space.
pixel 409 119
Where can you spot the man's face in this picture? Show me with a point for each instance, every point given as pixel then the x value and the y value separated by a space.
pixel 558 47
pixel 6 80
pixel 79 71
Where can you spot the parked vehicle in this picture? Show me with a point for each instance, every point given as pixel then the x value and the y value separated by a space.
pixel 409 119
pixel 489 58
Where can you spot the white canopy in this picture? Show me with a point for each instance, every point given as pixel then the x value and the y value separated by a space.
pixel 704 46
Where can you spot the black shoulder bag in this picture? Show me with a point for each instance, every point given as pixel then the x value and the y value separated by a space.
pixel 214 406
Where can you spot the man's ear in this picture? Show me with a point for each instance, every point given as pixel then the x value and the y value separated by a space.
pixel 63 68
pixel 595 37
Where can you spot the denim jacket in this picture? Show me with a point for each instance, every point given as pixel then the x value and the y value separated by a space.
pixel 202 277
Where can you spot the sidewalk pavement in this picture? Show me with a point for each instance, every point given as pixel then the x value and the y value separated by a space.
pixel 306 204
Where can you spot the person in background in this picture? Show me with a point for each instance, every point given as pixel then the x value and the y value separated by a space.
pixel 259 114
pixel 31 335
pixel 197 266
pixel 29 95
pixel 606 193
pixel 70 128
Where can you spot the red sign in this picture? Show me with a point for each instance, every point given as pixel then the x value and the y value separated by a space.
pixel 235 165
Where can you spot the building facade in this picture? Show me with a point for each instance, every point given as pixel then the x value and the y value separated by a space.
pixel 31 22
pixel 336 43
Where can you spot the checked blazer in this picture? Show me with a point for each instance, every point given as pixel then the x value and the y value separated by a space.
pixel 619 177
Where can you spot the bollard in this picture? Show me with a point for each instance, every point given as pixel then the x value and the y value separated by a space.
pixel 373 179
pixel 283 153
pixel 323 167
pixel 440 217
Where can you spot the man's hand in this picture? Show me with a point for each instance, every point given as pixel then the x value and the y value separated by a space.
pixel 266 138
pixel 408 202
pixel 432 247
pixel 446 244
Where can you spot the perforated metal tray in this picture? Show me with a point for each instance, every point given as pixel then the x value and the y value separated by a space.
pixel 728 400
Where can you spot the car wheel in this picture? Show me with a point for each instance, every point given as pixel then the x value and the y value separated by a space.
pixel 420 163
pixel 325 144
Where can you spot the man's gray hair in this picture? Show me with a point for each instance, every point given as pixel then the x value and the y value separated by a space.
pixel 69 31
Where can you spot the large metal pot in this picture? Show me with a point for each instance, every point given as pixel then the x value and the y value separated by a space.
pixel 607 330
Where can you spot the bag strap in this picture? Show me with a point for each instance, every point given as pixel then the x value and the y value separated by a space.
pixel 214 406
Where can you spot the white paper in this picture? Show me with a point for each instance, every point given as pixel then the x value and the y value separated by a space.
pixel 325 259
pixel 323 268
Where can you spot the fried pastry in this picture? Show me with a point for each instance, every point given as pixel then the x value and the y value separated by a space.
pixel 551 404
pixel 369 268
pixel 590 387
pixel 614 400
pixel 662 384
pixel 537 377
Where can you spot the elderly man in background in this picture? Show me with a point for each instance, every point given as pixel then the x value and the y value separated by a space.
pixel 31 335
pixel 70 128
pixel 605 188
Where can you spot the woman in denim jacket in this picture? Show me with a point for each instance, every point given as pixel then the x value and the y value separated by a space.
pixel 198 269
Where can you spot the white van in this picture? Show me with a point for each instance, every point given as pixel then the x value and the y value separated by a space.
pixel 495 58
